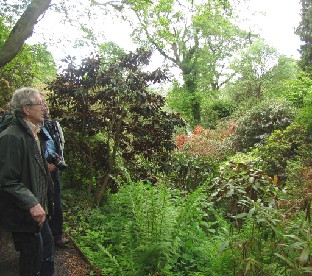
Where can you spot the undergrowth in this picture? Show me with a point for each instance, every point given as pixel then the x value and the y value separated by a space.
pixel 154 230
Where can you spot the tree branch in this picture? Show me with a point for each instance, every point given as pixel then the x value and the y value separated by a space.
pixel 22 30
pixel 154 43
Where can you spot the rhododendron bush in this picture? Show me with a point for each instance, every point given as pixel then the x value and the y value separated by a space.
pixel 206 142
pixel 198 155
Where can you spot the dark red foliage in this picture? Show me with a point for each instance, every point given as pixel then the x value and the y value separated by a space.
pixel 114 101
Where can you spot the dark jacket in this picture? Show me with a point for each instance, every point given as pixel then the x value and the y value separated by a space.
pixel 19 178
pixel 53 131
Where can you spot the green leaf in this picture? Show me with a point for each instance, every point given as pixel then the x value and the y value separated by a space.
pixel 307 269
pixel 251 212
pixel 304 256
pixel 294 237
pixel 288 261
pixel 251 179
pixel 297 245
pixel 242 215
pixel 224 246
pixel 230 193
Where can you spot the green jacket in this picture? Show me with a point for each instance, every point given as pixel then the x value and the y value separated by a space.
pixel 19 178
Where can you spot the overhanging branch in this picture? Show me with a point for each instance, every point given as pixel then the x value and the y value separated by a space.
pixel 22 30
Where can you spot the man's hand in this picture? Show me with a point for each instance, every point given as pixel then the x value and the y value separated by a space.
pixel 51 167
pixel 38 214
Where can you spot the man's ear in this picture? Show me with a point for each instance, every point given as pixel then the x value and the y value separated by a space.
pixel 26 110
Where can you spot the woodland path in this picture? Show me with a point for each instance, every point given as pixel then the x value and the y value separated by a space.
pixel 68 261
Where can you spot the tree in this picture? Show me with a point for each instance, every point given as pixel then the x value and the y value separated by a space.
pixel 31 66
pixel 254 68
pixel 305 33
pixel 197 37
pixel 110 52
pixel 284 71
pixel 112 119
pixel 22 30
pixel 22 15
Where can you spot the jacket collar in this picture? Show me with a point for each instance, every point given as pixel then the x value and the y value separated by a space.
pixel 25 126
pixel 35 129
pixel 38 156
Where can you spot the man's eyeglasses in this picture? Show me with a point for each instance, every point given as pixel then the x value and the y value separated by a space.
pixel 41 104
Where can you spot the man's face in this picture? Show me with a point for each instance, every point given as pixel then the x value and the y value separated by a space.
pixel 36 110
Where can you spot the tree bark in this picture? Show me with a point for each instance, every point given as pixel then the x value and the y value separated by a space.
pixel 22 30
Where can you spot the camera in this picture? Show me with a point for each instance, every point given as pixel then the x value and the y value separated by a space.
pixel 55 159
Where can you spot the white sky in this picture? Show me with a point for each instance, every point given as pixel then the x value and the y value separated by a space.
pixel 274 20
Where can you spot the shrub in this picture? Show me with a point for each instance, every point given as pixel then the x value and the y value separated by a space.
pixel 198 156
pixel 114 117
pixel 298 89
pixel 283 147
pixel 239 184
pixel 215 111
pixel 147 230
pixel 259 123
pixel 189 171
pixel 304 114
pixel 299 190
pixel 206 142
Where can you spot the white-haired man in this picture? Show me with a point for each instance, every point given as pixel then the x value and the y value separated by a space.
pixel 26 188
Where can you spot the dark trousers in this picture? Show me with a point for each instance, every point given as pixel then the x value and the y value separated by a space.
pixel 36 252
pixel 56 221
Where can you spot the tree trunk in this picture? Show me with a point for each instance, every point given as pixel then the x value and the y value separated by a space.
pixel 190 86
pixel 101 189
pixel 22 30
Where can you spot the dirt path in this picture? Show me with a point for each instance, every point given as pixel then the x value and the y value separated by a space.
pixel 68 261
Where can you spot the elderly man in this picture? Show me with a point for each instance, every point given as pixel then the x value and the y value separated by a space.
pixel 26 188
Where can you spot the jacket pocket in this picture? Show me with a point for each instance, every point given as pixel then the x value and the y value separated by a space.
pixel 14 218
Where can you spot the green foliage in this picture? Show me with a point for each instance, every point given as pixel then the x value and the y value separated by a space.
pixel 304 31
pixel 259 123
pixel 179 100
pixel 239 184
pixel 283 147
pixel 153 215
pixel 298 186
pixel 33 66
pixel 260 73
pixel 269 244
pixel 285 71
pixel 196 248
pixel 254 68
pixel 294 248
pixel 110 52
pixel 252 243
pixel 188 172
pixel 198 156
pixel 304 114
pixel 146 230
pixel 296 90
pixel 216 110
pixel 198 38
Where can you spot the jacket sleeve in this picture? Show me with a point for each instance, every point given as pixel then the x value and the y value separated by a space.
pixel 11 156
